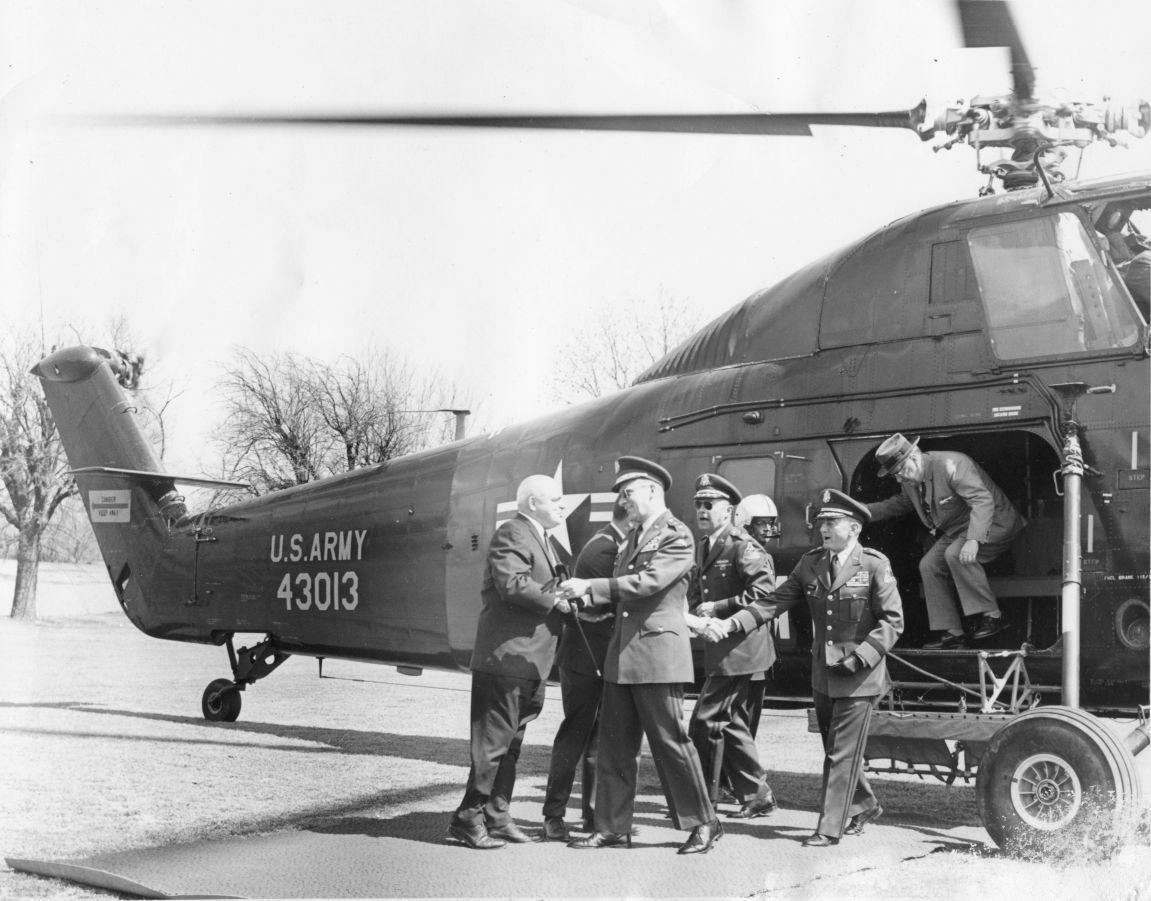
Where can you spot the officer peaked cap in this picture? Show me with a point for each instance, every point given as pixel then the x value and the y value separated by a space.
pixel 709 485
pixel 630 468
pixel 834 504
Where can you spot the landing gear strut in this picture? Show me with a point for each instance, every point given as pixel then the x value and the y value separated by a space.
pixel 221 700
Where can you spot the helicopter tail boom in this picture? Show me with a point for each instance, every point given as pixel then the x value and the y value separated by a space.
pixel 130 500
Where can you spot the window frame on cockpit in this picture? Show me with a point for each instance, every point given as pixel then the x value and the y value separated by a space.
pixel 1053 259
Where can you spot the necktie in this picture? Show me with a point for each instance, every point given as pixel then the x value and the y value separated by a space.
pixel 706 548
pixel 833 566
pixel 923 505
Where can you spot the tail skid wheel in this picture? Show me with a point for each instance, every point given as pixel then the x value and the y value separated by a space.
pixel 221 701
pixel 1053 779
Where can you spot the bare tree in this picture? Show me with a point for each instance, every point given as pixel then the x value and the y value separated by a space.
pixel 32 467
pixel 616 345
pixel 292 419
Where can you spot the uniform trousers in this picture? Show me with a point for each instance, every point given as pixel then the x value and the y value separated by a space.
pixel 843 724
pixel 502 706
pixel 722 738
pixel 949 585
pixel 654 710
pixel 575 743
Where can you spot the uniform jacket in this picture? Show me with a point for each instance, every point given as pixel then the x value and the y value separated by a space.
pixel 648 589
pixel 861 613
pixel 736 572
pixel 518 630
pixel 959 499
pixel 595 561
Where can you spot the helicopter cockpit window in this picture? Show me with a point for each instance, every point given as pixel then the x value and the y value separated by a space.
pixel 1046 289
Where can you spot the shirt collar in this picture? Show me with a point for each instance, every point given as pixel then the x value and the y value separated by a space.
pixel 843 556
pixel 536 525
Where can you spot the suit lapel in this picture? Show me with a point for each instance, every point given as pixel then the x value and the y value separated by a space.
pixel 541 540
pixel 823 570
pixel 643 539
pixel 850 567
pixel 716 545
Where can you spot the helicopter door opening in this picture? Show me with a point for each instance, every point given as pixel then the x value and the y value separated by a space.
pixel 1027 578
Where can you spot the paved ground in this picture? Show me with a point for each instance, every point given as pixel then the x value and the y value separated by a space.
pixel 343 787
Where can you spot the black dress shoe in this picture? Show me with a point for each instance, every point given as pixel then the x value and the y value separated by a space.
pixel 510 832
pixel 759 807
pixel 601 840
pixel 819 840
pixel 855 827
pixel 555 830
pixel 987 626
pixel 702 838
pixel 945 641
pixel 474 836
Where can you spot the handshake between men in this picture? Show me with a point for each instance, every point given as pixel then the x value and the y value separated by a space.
pixel 574 596
pixel 709 628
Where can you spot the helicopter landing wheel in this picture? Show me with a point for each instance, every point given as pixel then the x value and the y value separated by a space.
pixel 221 701
pixel 1055 782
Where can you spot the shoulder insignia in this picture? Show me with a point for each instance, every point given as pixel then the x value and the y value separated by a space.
pixel 874 553
pixel 752 550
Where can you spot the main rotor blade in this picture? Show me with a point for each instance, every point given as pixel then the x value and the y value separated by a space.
pixel 988 23
pixel 692 123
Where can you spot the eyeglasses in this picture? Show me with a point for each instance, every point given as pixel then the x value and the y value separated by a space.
pixel 707 505
pixel 628 492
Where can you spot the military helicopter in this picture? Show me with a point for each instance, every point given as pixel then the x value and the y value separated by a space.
pixel 1000 326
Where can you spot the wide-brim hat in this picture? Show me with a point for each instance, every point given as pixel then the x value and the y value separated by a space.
pixel 630 468
pixel 891 454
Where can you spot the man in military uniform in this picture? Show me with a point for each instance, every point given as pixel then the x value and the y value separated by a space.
pixel 515 647
pixel 857 617
pixel 731 571
pixel 973 522
pixel 648 661
pixel 759 517
pixel 580 661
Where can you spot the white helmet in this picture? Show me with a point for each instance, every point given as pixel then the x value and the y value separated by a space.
pixel 758 507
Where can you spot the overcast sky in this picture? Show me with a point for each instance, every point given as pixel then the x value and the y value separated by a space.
pixel 468 248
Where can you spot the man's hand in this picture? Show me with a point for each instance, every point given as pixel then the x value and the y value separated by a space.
pixel 969 551
pixel 562 605
pixel 695 624
pixel 574 588
pixel 718 629
pixel 707 608
pixel 848 666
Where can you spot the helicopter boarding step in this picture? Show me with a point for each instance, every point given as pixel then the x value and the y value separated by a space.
pixel 947 744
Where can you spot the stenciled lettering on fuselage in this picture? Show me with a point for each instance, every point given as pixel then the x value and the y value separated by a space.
pixel 326 588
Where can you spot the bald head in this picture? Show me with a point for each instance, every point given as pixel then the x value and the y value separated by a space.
pixel 541 498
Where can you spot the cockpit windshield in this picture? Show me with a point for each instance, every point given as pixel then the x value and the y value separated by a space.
pixel 1046 290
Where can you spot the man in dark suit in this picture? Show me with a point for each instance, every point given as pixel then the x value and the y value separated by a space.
pixel 648 661
pixel 857 617
pixel 973 522
pixel 731 571
pixel 580 661
pixel 515 647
